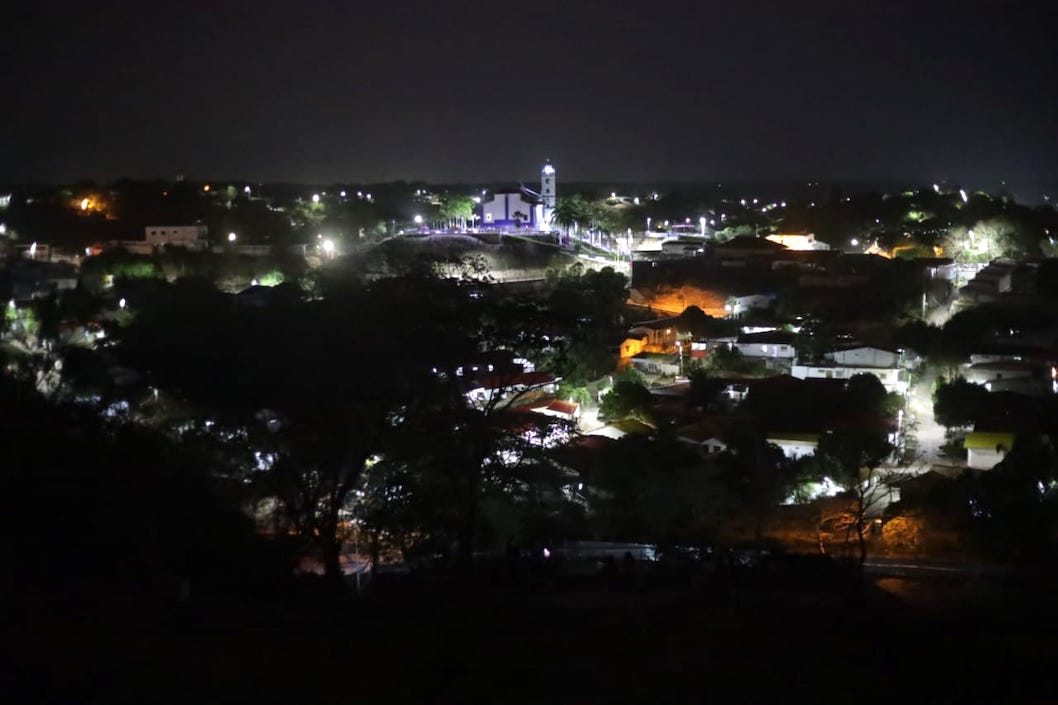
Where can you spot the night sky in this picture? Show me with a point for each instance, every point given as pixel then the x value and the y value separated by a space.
pixel 462 92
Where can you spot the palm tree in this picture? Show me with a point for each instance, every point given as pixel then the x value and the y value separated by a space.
pixel 568 212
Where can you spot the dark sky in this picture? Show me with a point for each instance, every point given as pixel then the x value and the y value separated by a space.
pixel 456 91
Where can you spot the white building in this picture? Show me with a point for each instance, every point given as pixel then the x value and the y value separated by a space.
pixel 795 445
pixel 189 236
pixel 523 208
pixel 986 450
pixel 865 356
pixel 894 379
pixel 769 344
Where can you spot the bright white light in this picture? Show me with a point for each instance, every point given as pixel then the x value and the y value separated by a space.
pixel 3 228
pixel 342 194
pixel 962 195
pixel 548 169
pixel 636 200
pixel 613 194
pixel 742 201
pixel 33 250
pixel 231 237
pixel 477 199
pixel 254 282
pixel 783 204
pixel 547 553
pixel 328 246
pixel 315 198
pixel 854 242
pixel 368 196
pixel 418 219
pixel 359 194
pixel 246 190
pixel 122 302
pixel 936 188
pixel 84 204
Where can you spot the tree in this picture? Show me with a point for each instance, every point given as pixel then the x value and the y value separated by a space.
pixel 457 210
pixel 626 400
pixel 570 212
pixel 854 456
pixel 756 475
pixel 959 403
pixel 704 388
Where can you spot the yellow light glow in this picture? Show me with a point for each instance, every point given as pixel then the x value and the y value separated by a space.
pixel 206 188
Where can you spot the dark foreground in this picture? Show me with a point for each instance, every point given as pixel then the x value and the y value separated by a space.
pixel 896 640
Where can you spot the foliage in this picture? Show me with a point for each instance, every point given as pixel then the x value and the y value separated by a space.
pixel 626 400
pixel 653 490
pixel 959 403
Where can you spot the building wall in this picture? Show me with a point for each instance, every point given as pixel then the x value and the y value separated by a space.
pixel 889 377
pixel 983 459
pixel 794 449
pixel 175 234
pixel 784 352
pixel 501 209
pixel 866 357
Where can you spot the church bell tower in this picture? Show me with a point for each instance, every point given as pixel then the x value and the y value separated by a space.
pixel 547 191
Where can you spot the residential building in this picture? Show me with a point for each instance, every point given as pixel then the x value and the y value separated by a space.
pixel 986 450
pixel 769 344
pixel 795 445
pixel 865 356
pixel 189 236
pixel 894 379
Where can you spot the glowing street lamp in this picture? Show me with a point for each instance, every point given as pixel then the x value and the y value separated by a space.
pixel 418 219
pixel 315 198
pixel 121 303
pixel 855 242
pixel 84 204
pixel 231 237
pixel 328 247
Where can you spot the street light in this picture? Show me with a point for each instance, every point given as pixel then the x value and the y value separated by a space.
pixel 231 237
pixel 328 247
pixel 122 302
pixel 315 198
pixel 418 219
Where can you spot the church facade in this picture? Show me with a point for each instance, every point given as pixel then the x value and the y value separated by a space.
pixel 523 208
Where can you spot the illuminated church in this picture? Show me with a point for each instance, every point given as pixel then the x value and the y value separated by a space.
pixel 523 208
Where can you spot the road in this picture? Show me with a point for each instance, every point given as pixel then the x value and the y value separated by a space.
pixel 930 434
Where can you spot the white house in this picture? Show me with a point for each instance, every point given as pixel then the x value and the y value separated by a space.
pixel 865 356
pixel 771 344
pixel 986 450
pixel 894 379
pixel 741 305
pixel 795 445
